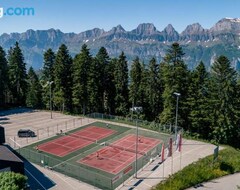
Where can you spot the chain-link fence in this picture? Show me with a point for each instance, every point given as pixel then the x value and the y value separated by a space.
pixel 73 168
pixel 76 171
pixel 158 127
pixel 85 173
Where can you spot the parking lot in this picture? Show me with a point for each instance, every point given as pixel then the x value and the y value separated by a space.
pixel 38 121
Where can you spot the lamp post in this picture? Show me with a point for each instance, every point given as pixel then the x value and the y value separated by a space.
pixel 50 96
pixel 136 156
pixel 177 95
pixel 137 110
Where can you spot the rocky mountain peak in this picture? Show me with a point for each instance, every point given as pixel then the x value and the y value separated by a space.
pixel 145 41
pixel 117 29
pixel 145 29
pixel 169 29
pixel 195 28
pixel 29 34
pixel 194 32
pixel 231 19
pixel 96 32
pixel 170 34
pixel 227 24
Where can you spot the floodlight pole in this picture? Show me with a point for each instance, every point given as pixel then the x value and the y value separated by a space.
pixel 136 156
pixel 177 95
pixel 132 109
pixel 50 96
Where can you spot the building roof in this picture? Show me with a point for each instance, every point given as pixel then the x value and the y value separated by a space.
pixel 8 155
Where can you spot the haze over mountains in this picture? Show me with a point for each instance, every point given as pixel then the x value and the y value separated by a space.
pixel 145 41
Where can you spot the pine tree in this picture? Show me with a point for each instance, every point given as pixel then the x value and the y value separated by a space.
pixel 62 96
pixel 143 94
pixel 135 82
pixel 81 67
pixel 34 92
pixel 95 91
pixel 224 115
pixel 17 76
pixel 97 81
pixel 235 141
pixel 121 85
pixel 175 77
pixel 49 60
pixel 47 75
pixel 154 90
pixel 174 54
pixel 110 89
pixel 3 77
pixel 197 101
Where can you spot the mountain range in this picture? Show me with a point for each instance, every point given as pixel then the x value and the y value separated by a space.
pixel 145 41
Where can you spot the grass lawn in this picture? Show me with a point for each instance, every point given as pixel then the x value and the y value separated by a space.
pixel 228 162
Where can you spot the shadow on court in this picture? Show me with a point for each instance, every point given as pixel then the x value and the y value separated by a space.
pixel 36 179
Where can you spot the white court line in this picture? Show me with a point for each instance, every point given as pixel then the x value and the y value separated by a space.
pixel 60 144
pixel 125 163
pixel 73 149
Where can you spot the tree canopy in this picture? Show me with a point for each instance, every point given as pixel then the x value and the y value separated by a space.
pixel 208 106
pixel 13 181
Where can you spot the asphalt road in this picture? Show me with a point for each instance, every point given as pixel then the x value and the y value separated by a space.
pixel 230 182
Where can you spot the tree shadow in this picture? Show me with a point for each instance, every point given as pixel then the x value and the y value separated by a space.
pixel 16 111
pixel 4 120
pixel 36 179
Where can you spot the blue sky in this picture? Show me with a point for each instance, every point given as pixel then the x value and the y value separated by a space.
pixel 80 15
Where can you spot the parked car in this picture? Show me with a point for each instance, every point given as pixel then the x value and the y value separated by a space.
pixel 26 133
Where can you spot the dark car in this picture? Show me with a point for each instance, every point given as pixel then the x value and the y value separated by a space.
pixel 26 133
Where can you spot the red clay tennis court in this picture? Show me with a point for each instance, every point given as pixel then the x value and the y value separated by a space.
pixel 118 155
pixel 72 142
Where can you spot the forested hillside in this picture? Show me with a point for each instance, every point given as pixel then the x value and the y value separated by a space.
pixel 209 102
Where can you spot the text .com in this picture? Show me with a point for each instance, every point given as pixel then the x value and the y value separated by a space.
pixel 17 11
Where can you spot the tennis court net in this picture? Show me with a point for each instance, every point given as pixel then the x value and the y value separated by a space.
pixel 133 150
pixel 82 137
